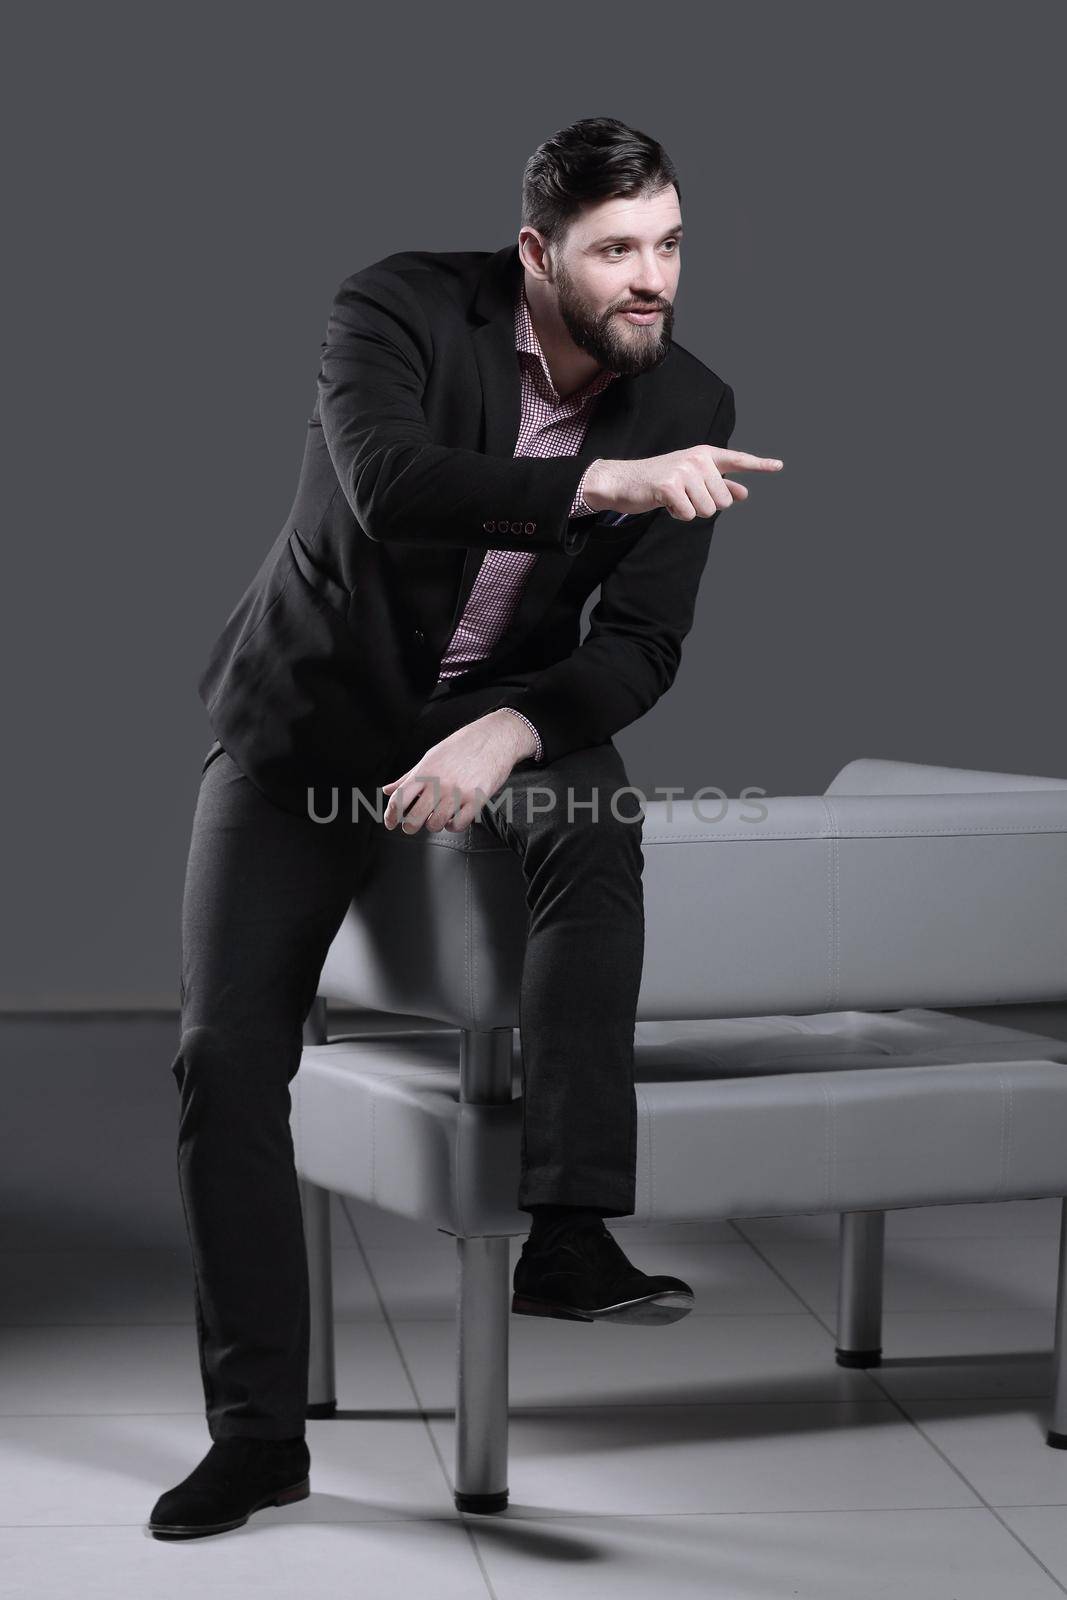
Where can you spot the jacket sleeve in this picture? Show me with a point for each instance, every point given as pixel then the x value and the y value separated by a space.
pixel 632 651
pixel 402 487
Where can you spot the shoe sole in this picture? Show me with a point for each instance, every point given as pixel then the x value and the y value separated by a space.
pixel 668 1306
pixel 279 1497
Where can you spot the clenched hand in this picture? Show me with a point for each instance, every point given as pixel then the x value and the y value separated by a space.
pixel 455 777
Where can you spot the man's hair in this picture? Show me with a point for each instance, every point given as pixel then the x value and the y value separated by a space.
pixel 598 158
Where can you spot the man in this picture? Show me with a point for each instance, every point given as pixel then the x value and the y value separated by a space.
pixel 495 436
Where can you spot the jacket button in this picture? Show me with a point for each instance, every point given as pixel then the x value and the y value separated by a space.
pixel 516 527
pixel 419 636
pixel 490 526
pixel 530 526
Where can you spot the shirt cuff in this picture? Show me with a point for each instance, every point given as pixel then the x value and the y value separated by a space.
pixel 537 753
pixel 578 505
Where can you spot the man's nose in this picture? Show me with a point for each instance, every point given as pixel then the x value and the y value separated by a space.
pixel 648 283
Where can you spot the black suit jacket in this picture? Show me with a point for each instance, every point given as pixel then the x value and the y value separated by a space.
pixel 408 477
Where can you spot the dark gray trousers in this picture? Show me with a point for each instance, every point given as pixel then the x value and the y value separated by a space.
pixel 265 892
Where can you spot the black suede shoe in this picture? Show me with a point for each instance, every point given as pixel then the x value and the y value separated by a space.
pixel 580 1272
pixel 235 1478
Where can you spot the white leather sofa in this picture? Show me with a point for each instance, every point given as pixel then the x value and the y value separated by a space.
pixel 854 1002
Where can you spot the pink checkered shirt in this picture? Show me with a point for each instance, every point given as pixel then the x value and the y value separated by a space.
pixel 549 426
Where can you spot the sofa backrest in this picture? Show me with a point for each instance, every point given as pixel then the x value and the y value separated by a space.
pixel 866 775
pixel 785 904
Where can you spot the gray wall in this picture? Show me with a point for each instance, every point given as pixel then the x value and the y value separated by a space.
pixel 872 241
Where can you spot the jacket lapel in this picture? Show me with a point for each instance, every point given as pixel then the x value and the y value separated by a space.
pixel 610 427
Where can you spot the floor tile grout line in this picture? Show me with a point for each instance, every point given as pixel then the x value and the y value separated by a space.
pixel 471 1540
pixel 917 1425
pixel 699 1316
pixel 801 1301
pixel 871 1373
pixel 424 1414
pixel 811 1312
pixel 451 1518
pixel 743 1239
pixel 830 1234
pixel 353 1232
pixel 418 1412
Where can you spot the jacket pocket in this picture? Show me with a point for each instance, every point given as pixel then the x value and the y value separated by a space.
pixel 334 594
pixel 623 523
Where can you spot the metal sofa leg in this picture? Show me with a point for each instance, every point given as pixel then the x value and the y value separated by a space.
pixel 315 1203
pixel 322 1385
pixel 482 1378
pixel 859 1289
pixel 1057 1433
pixel 484 1306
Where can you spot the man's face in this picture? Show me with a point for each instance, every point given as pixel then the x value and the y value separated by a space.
pixel 618 255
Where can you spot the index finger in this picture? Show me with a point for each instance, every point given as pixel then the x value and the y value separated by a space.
pixel 741 461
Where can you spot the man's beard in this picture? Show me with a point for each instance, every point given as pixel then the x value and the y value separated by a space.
pixel 628 348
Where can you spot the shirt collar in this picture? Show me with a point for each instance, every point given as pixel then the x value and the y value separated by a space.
pixel 527 343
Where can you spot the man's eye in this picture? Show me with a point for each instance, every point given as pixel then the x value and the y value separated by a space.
pixel 612 248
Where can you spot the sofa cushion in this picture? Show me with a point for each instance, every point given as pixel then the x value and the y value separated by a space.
pixel 740 1116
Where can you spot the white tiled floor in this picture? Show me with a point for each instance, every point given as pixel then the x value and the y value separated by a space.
pixel 725 1456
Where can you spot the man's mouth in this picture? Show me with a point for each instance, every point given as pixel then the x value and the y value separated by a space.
pixel 640 316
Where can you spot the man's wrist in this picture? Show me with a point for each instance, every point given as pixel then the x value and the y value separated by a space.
pixel 590 500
